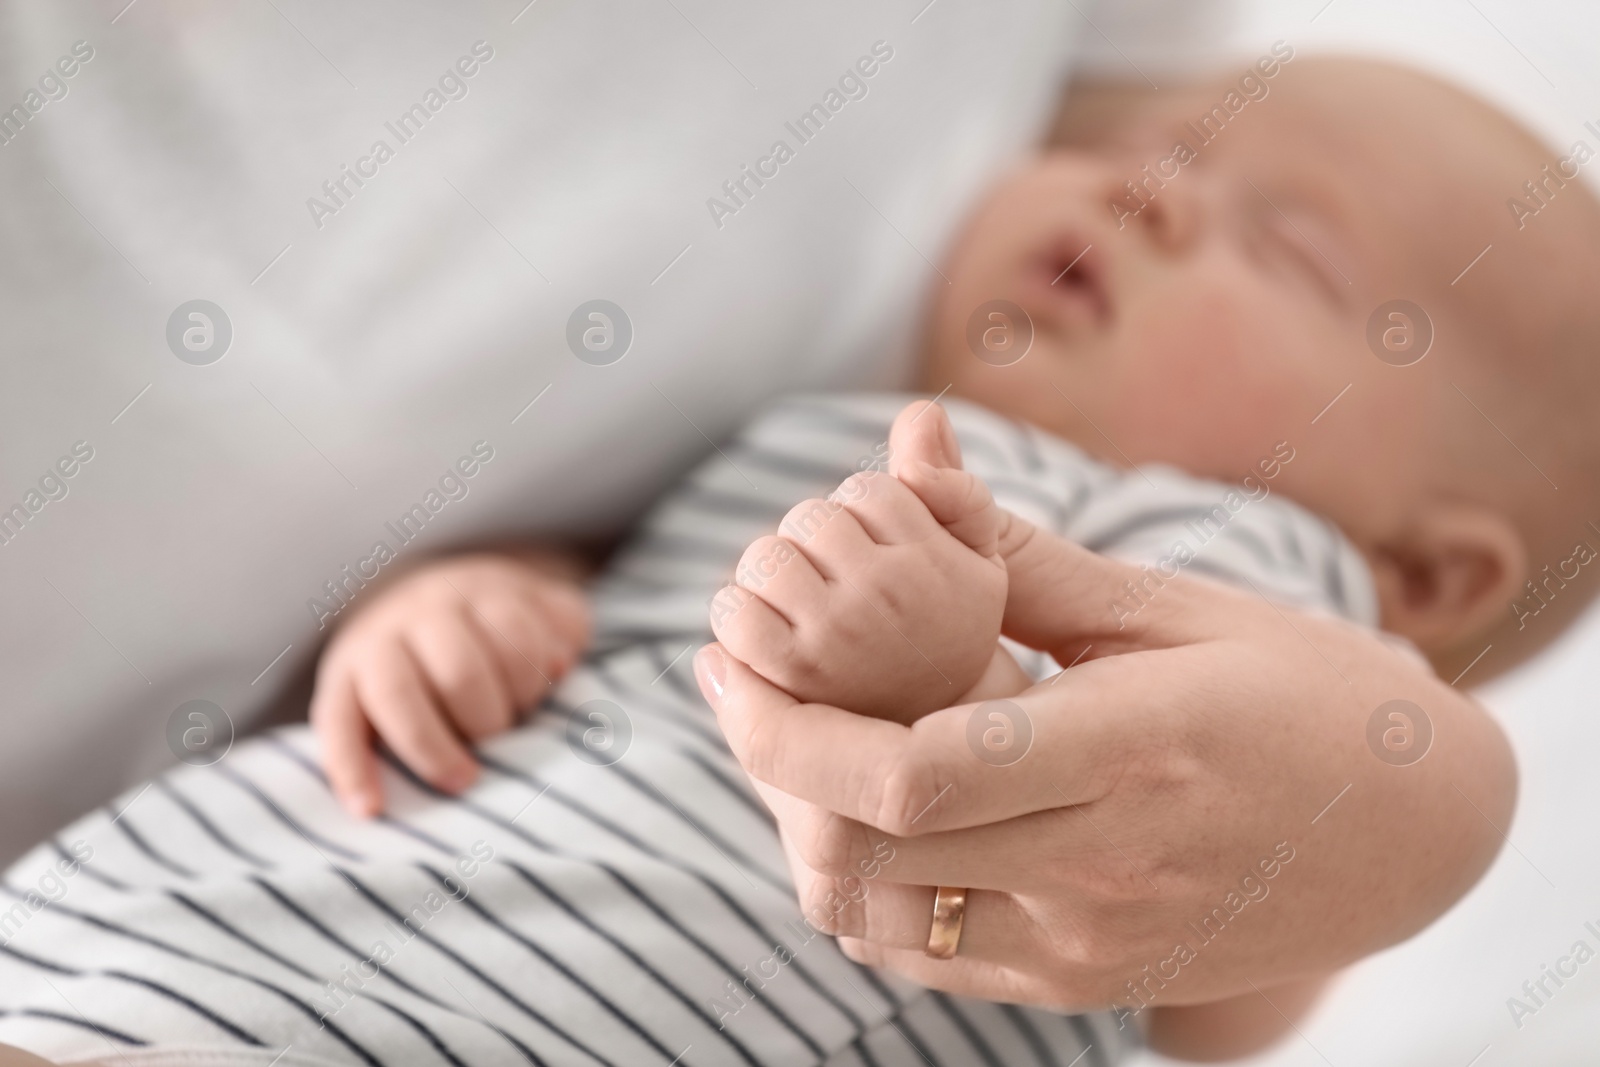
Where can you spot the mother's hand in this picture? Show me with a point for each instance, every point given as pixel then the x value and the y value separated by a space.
pixel 1199 813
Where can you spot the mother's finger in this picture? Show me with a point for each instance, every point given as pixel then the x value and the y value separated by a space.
pixel 868 905
pixel 1067 600
pixel 1063 852
pixel 963 976
pixel 901 916
pixel 963 766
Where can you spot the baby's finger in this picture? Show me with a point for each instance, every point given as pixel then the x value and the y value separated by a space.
pixel 961 501
pixel 519 637
pixel 346 744
pixel 566 611
pixel 397 701
pixel 451 652
pixel 887 509
pixel 832 539
pixel 781 574
pixel 752 629
pixel 922 432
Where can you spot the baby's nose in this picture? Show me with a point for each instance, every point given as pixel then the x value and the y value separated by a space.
pixel 1158 199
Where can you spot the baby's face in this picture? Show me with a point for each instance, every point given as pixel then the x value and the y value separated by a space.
pixel 1226 308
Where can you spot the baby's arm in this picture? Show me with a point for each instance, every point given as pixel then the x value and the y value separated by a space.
pixel 444 656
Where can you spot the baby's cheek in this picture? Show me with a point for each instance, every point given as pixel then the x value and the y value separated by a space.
pixel 1214 389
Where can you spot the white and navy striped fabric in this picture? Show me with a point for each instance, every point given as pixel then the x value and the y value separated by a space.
pixel 611 892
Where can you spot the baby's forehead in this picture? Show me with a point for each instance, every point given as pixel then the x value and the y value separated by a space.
pixel 1390 152
pixel 1420 175
pixel 1359 119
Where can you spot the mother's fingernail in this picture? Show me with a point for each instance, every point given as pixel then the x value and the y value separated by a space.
pixel 711 670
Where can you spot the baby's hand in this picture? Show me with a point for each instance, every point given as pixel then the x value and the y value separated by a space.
pixel 446 656
pixel 882 599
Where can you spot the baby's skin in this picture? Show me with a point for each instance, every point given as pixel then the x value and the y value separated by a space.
pixel 888 597
pixel 448 654
pixel 885 597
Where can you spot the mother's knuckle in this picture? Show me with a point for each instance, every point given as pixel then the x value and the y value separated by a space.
pixel 905 794
pixel 1093 950
pixel 1118 879
pixel 818 899
pixel 831 846
pixel 762 749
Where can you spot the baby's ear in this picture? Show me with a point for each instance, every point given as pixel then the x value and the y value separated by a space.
pixel 1449 578
pixel 923 432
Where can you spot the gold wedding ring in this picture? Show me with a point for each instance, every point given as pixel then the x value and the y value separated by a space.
pixel 949 912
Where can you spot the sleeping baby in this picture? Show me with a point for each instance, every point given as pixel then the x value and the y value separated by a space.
pixel 1166 364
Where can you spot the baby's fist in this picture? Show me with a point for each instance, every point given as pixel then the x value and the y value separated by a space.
pixel 446 656
pixel 867 601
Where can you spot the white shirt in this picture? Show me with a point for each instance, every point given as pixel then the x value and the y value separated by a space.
pixel 623 898
pixel 372 347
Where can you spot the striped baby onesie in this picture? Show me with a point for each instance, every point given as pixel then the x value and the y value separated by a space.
pixel 611 891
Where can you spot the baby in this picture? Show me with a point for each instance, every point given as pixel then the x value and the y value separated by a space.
pixel 1202 320
pixel 1179 281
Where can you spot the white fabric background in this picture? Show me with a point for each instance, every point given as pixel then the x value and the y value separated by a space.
pixel 1440 999
pixel 415 322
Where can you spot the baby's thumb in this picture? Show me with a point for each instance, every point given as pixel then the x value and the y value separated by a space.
pixel 961 503
pixel 925 455
pixel 922 432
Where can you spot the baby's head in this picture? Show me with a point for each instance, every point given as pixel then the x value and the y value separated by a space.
pixel 1227 301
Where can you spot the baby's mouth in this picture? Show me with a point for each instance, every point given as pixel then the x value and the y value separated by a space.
pixel 1070 285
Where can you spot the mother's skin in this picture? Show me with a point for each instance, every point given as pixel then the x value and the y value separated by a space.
pixel 1223 732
